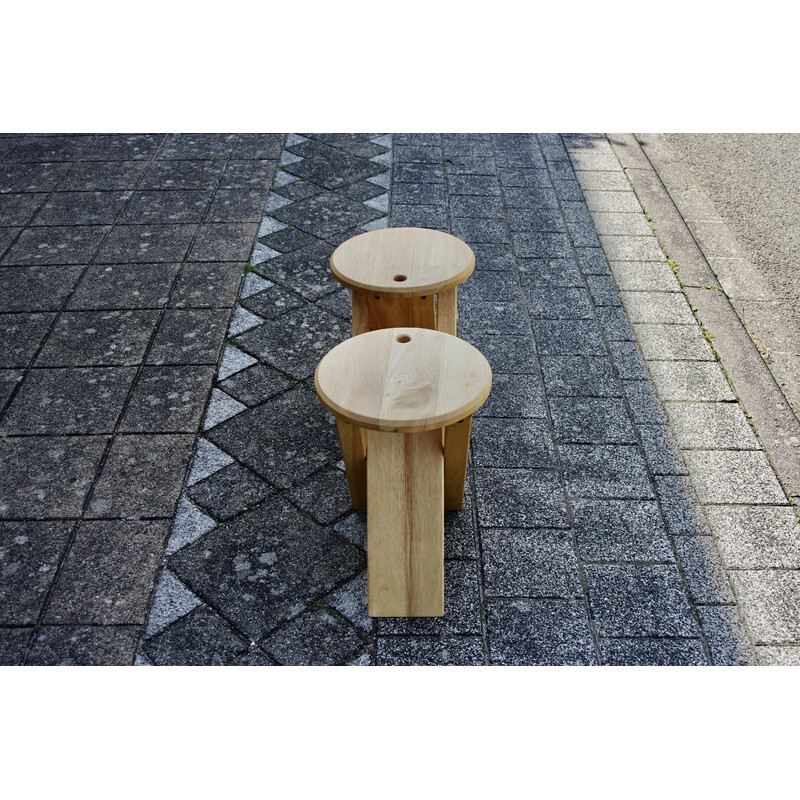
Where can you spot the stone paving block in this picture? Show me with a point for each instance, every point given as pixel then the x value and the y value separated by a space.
pixel 602 290
pixel 122 146
pixel 423 193
pixel 703 569
pixel 497 319
pixel 197 175
pixel 423 173
pixel 653 653
pixel 34 177
pixel 613 472
pixel 325 496
pixel 469 165
pixel 82 208
pixel 576 212
pixel 528 220
pixel 18 209
pixel 47 476
pixel 592 261
pixel 711 426
pixel 9 378
pixel 476 229
pixel 770 600
pixel 734 476
pixel 13 644
pixel 145 243
pixel 482 185
pixel 460 539
pixel 229 492
pixel 672 343
pixel 690 380
pixel 168 400
pixel 530 199
pixel 189 337
pixel 287 240
pixel 329 167
pixel 201 638
pixel 166 206
pixel 108 574
pixel 757 537
pixel 363 145
pixel 542 245
pixel 207 285
pixel 265 567
pixel 530 563
pixel 7 236
pixel 99 176
pixel 83 645
pixel 520 498
pixel 583 234
pixel 48 148
pixel 493 257
pixel 410 651
pixel 365 190
pixel 779 656
pixel 252 658
pixel 460 205
pixel 645 276
pixel 350 600
pixel 559 303
pixel 667 308
pixel 639 600
pixel 22 335
pixel 248 174
pixel 412 216
pixel 197 146
pixel 171 601
pixel 604 181
pixel 591 420
pixel 550 273
pixel 579 376
pixel 512 443
pixel 354 528
pixel 567 338
pixel 68 401
pixel 142 476
pixel 662 454
pixel 512 355
pixel 315 638
pixel 681 508
pixel 223 241
pixel 620 530
pixel 55 245
pixel 30 553
pixel 490 286
pixel 614 202
pixel 254 385
pixel 527 632
pixel 518 396
pixel 726 635
pixel 305 271
pixel 631 248
pixel 122 286
pixel 620 224
pixel 528 178
pixel 644 404
pixel 628 361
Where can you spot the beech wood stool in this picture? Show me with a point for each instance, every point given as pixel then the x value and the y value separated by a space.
pixel 394 274
pixel 403 399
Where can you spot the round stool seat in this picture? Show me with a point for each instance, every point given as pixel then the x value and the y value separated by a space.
pixel 403 380
pixel 407 262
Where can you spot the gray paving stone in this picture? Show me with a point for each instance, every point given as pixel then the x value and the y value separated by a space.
pixel 35 177
pixel 539 632
pixel 478 229
pixel 604 182
pixel 22 336
pixel 189 337
pixel 727 638
pixel 145 243
pixel 18 209
pixel 542 245
pixel 412 216
pixel 528 178
pixel 207 285
pixel 579 376
pixel 519 158
pixel 460 205
pixel 493 257
pixel 617 224
pixel 350 600
pixel 608 201
pixel 482 185
pixel 253 658
pixel 410 651
pixel 559 304
pixel 84 645
pixel 354 528
pixel 56 245
pixel 325 495
pixel 304 271
pixel 498 319
pixel 430 194
pixel 255 384
pixel 703 569
pixel 614 324
pixel 711 426
pixel 638 600
pixel 13 644
pixel 645 276
pixel 315 638
pixel 422 173
pixel 330 167
pixel 9 378
pixel 512 443
pixel 7 236
pixel 682 511
pixel 662 454
pixel 489 287
pixel 229 492
pixel 690 380
pixel 223 241
pixel 189 174
pixel 93 176
pixel 643 403
pixel 653 652
pixel 583 234
pixel 122 147
pixel 460 538
pixel 734 476
pixel 258 145
pixel 520 498
pixel 122 286
pixel 770 601
pixel 519 396
pixel 672 343
pixel 666 308
pixel 567 338
pixel 196 146
pixel 287 239
pixel 48 147
pixel 779 656
pixel 628 361
pixel 613 472
pixel 602 290
pixel 591 420
pixel 108 574
pixel 511 355
pixel 166 206
pixel 248 174
pixel 82 208
pixel 171 601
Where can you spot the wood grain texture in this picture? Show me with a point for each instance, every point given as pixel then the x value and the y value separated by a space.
pixel 354 453
pixel 360 313
pixel 405 524
pixel 447 311
pixel 391 311
pixel 456 452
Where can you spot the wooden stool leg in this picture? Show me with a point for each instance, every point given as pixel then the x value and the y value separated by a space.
pixel 351 437
pixel 405 524
pixel 447 311
pixel 456 450
pixel 360 313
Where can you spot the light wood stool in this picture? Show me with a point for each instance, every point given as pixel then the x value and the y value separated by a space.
pixel 394 274
pixel 403 400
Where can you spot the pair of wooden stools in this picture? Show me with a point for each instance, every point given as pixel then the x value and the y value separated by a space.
pixel 403 391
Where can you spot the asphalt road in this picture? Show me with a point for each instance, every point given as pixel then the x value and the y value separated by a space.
pixel 753 180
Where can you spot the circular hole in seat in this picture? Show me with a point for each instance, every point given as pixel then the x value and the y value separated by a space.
pixel 400 278
pixel 403 338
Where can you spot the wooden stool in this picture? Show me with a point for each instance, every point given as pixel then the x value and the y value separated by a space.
pixel 394 274
pixel 403 400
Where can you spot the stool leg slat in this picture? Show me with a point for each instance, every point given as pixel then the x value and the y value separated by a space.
pixel 360 313
pixel 447 312
pixel 456 452
pixel 351 438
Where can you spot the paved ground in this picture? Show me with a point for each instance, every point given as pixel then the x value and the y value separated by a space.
pixel 610 467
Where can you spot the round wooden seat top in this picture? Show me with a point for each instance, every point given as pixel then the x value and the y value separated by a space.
pixel 402 261
pixel 403 379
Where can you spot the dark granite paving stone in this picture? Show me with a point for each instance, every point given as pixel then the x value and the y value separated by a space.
pixel 161 207
pixel 567 338
pixel 315 638
pixel 9 378
pixel 498 319
pixel 682 511
pixel 103 176
pixel 652 653
pixel 82 208
pixel 628 361
pixel 8 141
pixel 21 335
pixel 197 146
pixel 31 177
pixel 493 257
pixel 540 220
pixel 13 644
pixel 620 530
pixel 428 194
pixel 299 190
pixel 514 396
pixel 429 139
pixel 512 443
pixel 288 240
pixel 466 205
pixel 17 209
pixel 200 639
pixel 583 234
pixel 7 236
pixel 30 553
pixel 410 216
pixel 237 205
pixel 416 651
pixel 418 173
pixel 168 400
pixel 727 638
pixel 84 645
pixel 525 632
pixel 62 401
pixel 661 451
pixel 463 164
pixel 520 498
pixel 254 385
pixel 602 290
pixel 272 303
pixel 146 243
pixel 120 286
pixel 566 189
pixel 417 154
pixel 520 159
pixel 462 607
pixel 460 540
pixel 229 492
pixel 477 229
pixel 530 563
pixel 455 148
pixel 332 168
pixel 512 355
pixel 55 245
pixel 189 337
pixel 704 572
pixel 638 600
pixel 591 420
pixel 95 338
pixel 492 285
pixel 324 496
pixel 592 261
pixel 646 408
pixel 47 476
pixel 224 241
pixel 258 146
pixel 326 214
pixel 142 476
pixel 283 441
pixel 606 471
pixel 248 174
pixel 558 303
pixel 482 185
pixel 524 178
pixel 108 574
pixel 357 144
pixel 549 272
pixel 48 148
pixel 542 245
pixel 207 285
pixel 295 342
pixel 532 199
pixel 266 566
pixel 513 141
pixel 339 303
pixel 579 376
pixel 253 658
pixel 576 212
pixel 122 146
pixel 183 174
